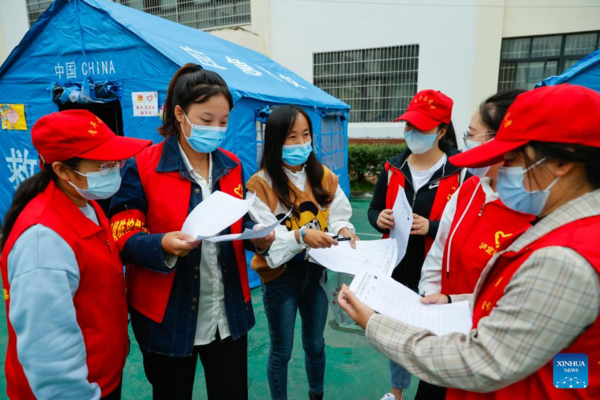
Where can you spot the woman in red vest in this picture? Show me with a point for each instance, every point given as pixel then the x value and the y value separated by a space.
pixel 61 271
pixel 537 302
pixel 428 180
pixel 475 224
pixel 188 300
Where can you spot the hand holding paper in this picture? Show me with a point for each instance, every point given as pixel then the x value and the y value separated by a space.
pixel 395 300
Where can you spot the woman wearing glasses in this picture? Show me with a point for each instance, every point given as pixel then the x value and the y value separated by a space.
pixel 475 224
pixel 61 271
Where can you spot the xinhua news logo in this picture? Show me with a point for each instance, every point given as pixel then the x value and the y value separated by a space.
pixel 570 371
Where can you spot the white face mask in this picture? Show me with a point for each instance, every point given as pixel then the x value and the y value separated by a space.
pixel 478 172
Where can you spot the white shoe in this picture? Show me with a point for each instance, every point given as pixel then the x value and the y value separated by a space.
pixel 390 396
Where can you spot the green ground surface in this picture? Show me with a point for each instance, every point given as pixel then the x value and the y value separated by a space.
pixel 354 369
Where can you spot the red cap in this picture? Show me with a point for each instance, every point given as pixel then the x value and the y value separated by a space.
pixel 428 109
pixel 555 114
pixel 79 133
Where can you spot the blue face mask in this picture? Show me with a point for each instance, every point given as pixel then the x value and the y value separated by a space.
pixel 478 172
pixel 204 139
pixel 418 142
pixel 101 185
pixel 514 195
pixel 296 154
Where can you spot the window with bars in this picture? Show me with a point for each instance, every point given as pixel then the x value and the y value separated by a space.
pixel 377 83
pixel 35 8
pixel 200 14
pixel 526 61
pixel 332 142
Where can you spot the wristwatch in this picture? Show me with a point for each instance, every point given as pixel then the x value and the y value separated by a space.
pixel 301 235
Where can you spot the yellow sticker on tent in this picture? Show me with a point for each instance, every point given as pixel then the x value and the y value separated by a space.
pixel 13 117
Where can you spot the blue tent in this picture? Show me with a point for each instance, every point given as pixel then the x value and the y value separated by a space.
pixel 585 73
pixel 96 53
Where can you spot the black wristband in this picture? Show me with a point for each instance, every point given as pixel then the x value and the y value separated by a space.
pixel 449 298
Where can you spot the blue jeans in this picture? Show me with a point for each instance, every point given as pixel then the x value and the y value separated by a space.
pixel 400 378
pixel 296 289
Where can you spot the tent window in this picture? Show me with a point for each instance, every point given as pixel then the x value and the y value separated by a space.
pixel 377 83
pixel 260 141
pixel 199 14
pixel 526 61
pixel 332 142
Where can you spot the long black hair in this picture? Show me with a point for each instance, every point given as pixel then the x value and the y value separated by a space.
pixel 279 124
pixel 494 108
pixel 190 84
pixel 27 191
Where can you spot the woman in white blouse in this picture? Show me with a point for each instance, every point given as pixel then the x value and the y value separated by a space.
pixel 293 179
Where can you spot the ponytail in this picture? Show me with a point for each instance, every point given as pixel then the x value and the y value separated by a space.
pixel 449 139
pixel 190 84
pixel 26 192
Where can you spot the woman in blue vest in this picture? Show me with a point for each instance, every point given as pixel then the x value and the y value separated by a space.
pixel 187 299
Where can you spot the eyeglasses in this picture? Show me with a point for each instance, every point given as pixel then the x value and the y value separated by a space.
pixel 106 167
pixel 467 136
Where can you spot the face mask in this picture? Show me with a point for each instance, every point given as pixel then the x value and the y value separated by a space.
pixel 418 142
pixel 99 186
pixel 296 154
pixel 514 195
pixel 478 172
pixel 204 139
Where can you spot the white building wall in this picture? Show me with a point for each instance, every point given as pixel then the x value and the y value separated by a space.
pixel 446 38
pixel 254 36
pixel 13 25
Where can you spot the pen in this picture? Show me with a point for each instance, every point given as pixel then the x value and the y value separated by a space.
pixel 341 238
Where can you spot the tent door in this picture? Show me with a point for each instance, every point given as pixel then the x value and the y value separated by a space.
pixel 110 113
pixel 112 116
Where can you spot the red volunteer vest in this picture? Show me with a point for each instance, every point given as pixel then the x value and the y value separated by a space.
pixel 485 229
pixel 580 236
pixel 168 196
pixel 100 302
pixel 446 189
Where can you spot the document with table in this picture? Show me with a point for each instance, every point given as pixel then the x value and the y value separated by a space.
pixel 393 299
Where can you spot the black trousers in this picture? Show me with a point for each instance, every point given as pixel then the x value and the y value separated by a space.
pixel 428 391
pixel 115 394
pixel 225 365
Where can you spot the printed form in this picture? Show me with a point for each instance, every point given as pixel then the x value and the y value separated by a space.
pixel 393 299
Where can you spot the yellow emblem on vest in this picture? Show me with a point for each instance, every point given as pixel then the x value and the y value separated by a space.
pixel 239 191
pixel 6 295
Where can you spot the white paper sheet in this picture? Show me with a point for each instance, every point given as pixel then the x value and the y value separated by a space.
pixel 216 213
pixel 248 233
pixel 395 300
pixel 369 255
pixel 403 220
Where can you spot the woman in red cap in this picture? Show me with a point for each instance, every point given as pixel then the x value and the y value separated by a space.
pixel 61 271
pixel 475 224
pixel 536 305
pixel 428 180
